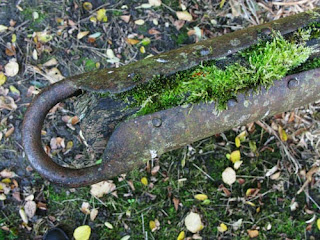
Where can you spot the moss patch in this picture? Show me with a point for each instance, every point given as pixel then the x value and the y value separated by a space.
pixel 261 65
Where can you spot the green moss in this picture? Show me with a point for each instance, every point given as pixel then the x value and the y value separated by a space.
pixel 264 63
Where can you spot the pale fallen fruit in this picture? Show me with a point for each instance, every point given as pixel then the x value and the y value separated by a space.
pixel 229 176
pixel 82 233
pixel 193 222
pixel 11 68
pixel 184 15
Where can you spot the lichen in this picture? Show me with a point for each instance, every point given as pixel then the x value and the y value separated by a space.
pixel 260 66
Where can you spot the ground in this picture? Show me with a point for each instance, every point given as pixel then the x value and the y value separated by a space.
pixel 277 192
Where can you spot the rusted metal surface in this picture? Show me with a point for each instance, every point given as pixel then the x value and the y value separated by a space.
pixel 121 79
pixel 132 142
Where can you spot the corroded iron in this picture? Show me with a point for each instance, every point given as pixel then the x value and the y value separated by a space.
pixel 134 141
pixel 115 80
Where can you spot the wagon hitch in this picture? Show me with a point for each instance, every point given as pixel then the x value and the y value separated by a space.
pixel 133 141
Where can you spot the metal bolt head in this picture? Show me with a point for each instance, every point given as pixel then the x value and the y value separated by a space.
pixel 156 122
pixel 293 83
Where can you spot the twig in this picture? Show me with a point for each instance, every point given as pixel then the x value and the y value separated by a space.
pixel 203 172
pixel 271 131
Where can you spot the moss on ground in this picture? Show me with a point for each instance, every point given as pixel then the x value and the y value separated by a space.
pixel 263 63
pixel 131 212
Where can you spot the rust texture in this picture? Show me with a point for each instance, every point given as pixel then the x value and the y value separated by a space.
pixel 132 141
pixel 115 80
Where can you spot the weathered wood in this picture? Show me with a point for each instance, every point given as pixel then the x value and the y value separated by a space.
pixel 100 117
pixel 101 114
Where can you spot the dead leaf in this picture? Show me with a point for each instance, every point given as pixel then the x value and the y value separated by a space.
pixel 8 103
pixel 53 75
pixel 9 132
pixel 176 202
pixel 193 222
pixel 3 78
pixel 108 225
pixel 82 233
pixel 29 198
pixel 43 37
pixel 153 31
pixel 51 62
pixel 23 215
pixel 85 208
pixel 7 174
pixel 101 15
pixel 125 18
pixel 10 50
pixel 144 181
pixel 82 34
pixel 16 196
pixel 93 214
pixel 155 3
pixel 181 235
pixel 179 24
pixel 102 188
pixel 271 171
pixel 2 197
pixel 3 28
pixel 30 208
pixel 229 176
pixel 139 22
pixel 282 133
pixel 184 15
pixel 237 165
pixel 275 176
pixel 56 143
pixel 11 68
pixel 132 41
pixel 87 6
pixel 235 156
pixel 201 197
pixel 222 228
pixel 155 170
pixel 253 233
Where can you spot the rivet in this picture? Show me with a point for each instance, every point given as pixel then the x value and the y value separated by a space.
pixel 156 122
pixel 231 103
pixel 293 83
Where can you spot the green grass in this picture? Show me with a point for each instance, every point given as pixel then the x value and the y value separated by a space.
pixel 264 63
